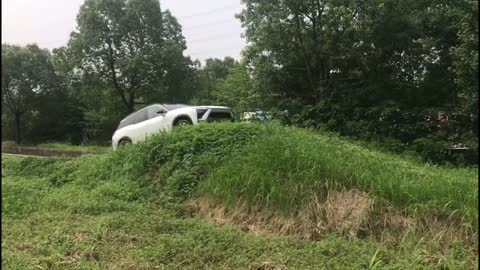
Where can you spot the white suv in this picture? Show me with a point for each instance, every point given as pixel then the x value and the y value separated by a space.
pixel 162 117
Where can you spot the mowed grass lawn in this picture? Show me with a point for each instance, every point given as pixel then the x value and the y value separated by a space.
pixel 124 210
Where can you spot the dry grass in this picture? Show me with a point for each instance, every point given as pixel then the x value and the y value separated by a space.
pixel 267 265
pixel 349 213
pixel 345 213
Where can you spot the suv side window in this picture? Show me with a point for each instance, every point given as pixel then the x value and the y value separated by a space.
pixel 220 116
pixel 126 122
pixel 134 118
pixel 139 116
pixel 155 111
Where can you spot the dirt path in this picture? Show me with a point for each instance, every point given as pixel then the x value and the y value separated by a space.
pixel 44 152
pixel 18 155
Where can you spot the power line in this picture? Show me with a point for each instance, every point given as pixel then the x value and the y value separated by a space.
pixel 206 12
pixel 225 43
pixel 55 41
pixel 206 56
pixel 181 18
pixel 218 50
pixel 217 37
pixel 222 36
pixel 202 34
pixel 40 42
pixel 214 23
pixel 206 26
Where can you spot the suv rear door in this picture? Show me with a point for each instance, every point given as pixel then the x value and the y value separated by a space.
pixel 156 114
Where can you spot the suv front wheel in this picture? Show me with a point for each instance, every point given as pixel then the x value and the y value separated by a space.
pixel 124 142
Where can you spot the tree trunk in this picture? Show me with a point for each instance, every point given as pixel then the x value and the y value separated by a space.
pixel 208 87
pixel 131 103
pixel 18 137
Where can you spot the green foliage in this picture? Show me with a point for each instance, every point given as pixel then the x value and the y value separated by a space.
pixel 214 71
pixel 270 165
pixel 178 161
pixel 393 128
pixel 465 55
pixel 372 71
pixel 9 143
pixel 368 70
pixel 121 209
pixel 95 148
pixel 144 238
pixel 237 91
pixel 27 74
pixel 282 170
pixel 133 47
pixel 226 83
pixel 40 167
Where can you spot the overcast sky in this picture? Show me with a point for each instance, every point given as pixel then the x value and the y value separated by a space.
pixel 209 26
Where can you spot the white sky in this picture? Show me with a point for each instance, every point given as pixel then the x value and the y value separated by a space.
pixel 209 26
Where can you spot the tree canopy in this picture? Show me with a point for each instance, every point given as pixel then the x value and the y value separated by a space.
pixel 133 46
pixel 26 73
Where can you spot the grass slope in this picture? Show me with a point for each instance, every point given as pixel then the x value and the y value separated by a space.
pixel 124 209
pixel 281 169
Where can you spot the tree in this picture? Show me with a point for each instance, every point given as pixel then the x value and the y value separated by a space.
pixel 209 75
pixel 26 73
pixel 309 50
pixel 94 111
pixel 133 46
pixel 237 90
pixel 465 55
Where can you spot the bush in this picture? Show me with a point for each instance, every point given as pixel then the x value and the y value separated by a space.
pixel 396 129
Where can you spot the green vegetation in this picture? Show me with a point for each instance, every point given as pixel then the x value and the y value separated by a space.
pixel 126 209
pixel 400 73
pixel 9 144
pixel 282 169
pixel 65 146
pixel 376 70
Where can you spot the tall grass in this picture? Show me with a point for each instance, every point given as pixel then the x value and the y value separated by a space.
pixel 123 208
pixel 65 146
pixel 283 168
pixel 269 165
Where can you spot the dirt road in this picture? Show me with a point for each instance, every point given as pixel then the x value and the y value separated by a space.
pixel 44 152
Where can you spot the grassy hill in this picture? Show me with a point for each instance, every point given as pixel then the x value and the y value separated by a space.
pixel 230 196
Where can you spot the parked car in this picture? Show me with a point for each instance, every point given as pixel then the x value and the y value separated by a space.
pixel 257 116
pixel 163 117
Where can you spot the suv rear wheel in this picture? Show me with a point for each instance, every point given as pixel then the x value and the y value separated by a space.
pixel 182 122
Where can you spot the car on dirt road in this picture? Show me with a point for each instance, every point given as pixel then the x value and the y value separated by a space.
pixel 156 118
